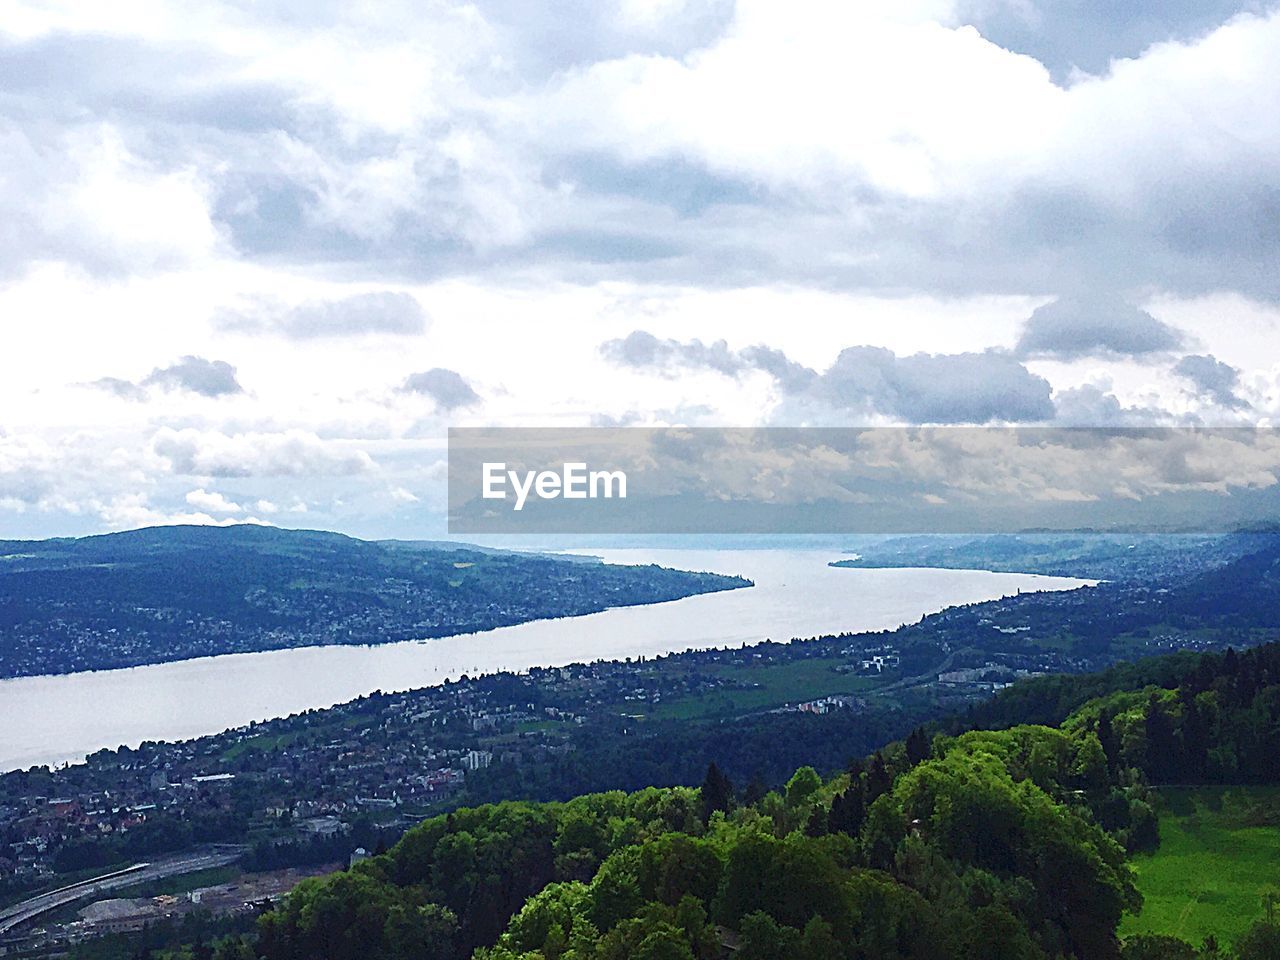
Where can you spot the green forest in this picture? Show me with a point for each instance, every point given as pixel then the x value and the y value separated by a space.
pixel 1009 841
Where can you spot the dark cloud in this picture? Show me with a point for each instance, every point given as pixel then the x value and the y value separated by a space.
pixel 922 388
pixel 209 378
pixel 1096 325
pixel 446 387
pixel 380 312
pixel 1212 378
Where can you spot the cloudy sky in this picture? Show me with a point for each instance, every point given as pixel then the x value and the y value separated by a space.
pixel 256 257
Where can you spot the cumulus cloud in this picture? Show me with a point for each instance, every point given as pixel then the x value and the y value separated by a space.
pixel 79 192
pixel 957 163
pixel 1094 405
pixel 1212 379
pixel 209 378
pixel 446 387
pixel 1088 326
pixel 920 388
pixel 379 312
pixel 137 510
pixel 96 477
pixel 291 453
pixel 211 501
pixel 936 388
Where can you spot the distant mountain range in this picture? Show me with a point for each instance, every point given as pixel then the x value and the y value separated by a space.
pixel 170 593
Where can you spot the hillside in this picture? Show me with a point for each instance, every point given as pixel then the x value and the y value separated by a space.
pixel 995 844
pixel 171 593
pixel 1218 853
pixel 1130 558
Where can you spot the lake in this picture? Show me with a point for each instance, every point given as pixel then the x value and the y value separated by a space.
pixel 53 719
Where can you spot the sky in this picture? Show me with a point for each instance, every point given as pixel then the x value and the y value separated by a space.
pixel 256 258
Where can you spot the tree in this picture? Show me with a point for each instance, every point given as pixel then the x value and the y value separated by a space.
pixel 1162 747
pixel 763 938
pixel 427 931
pixel 1195 737
pixel 1090 765
pixel 997 935
pixel 879 780
pixel 1107 738
pixel 1144 827
pixel 847 811
pixel 918 746
pixel 817 825
pixel 614 894
pixel 717 793
pixel 756 789
pixel 804 783
pixel 883 831
pixel 645 938
pixel 818 942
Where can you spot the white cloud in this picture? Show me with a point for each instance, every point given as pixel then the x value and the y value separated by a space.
pixel 135 510
pixel 211 501
pixel 292 453
pixel 361 314
pixel 814 96
pixel 84 196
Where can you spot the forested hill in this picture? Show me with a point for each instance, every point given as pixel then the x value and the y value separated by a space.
pixel 1232 676
pixel 170 593
pixel 991 845
pixel 1150 559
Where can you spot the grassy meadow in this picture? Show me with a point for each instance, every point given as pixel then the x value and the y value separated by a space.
pixel 1219 852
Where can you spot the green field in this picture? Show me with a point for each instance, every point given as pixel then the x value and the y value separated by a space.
pixel 1219 851
pixel 777 685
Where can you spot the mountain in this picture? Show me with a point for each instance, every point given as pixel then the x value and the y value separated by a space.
pixel 170 593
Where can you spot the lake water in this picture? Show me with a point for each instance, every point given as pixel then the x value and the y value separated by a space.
pixel 58 718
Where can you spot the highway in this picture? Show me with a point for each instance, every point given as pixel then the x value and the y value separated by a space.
pixel 13 917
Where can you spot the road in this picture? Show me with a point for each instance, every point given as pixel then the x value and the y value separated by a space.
pixel 28 910
pixel 928 676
